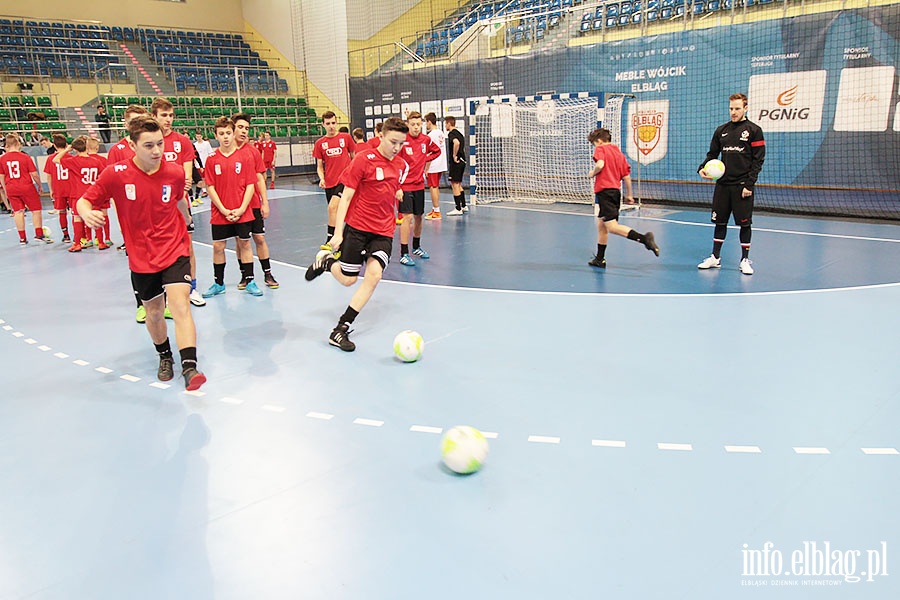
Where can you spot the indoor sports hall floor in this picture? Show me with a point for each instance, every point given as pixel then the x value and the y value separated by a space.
pixel 655 426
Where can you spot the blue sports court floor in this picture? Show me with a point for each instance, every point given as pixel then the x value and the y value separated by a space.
pixel 657 431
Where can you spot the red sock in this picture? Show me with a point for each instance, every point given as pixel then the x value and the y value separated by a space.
pixel 99 231
pixel 38 233
pixel 87 234
pixel 106 229
pixel 79 230
pixel 63 222
pixel 22 235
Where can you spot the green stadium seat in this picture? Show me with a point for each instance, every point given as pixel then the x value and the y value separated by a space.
pixel 229 101
pixel 8 127
pixel 14 102
pixel 207 101
pixel 302 131
pixel 5 115
pixel 195 101
pixel 29 101
pixel 281 132
pixel 51 113
pixel 133 100
pixel 301 101
pixel 292 101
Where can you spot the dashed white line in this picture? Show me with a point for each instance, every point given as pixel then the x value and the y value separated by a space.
pixel 880 450
pixel 234 401
pixel 30 341
pixel 44 348
pixel 103 370
pixel 273 408
pixel 18 334
pixel 811 450
pixel 368 422
pixel 81 363
pixel 320 416
pixel 744 449
pixel 681 447
pixel 195 393
pixel 608 443
pixel 130 378
pixel 425 429
pixel 160 385
pixel 543 439
pixel 61 355
pixel 7 328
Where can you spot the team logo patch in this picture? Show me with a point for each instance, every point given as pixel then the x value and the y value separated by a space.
pixel 237 167
pixel 424 148
pixel 177 146
pixel 341 141
pixel 166 193
pixel 379 174
pixel 170 156
pixel 745 135
pixel 409 150
pixel 218 169
pixel 649 124
pixel 130 191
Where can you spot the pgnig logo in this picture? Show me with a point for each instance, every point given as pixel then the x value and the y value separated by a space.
pixel 784 109
pixel 812 564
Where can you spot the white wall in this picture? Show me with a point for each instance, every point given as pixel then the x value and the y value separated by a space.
pixel 365 18
pixel 320 45
pixel 272 19
pixel 203 14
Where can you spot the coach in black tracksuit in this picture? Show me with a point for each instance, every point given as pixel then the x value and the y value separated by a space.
pixel 743 151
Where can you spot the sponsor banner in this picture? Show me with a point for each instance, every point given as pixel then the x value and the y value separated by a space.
pixel 648 130
pixel 864 99
pixel 787 101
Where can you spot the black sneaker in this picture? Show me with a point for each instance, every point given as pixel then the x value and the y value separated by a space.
pixel 242 285
pixel 340 337
pixel 650 243
pixel 318 266
pixel 166 368
pixel 270 281
pixel 600 264
pixel 193 379
pixel 66 239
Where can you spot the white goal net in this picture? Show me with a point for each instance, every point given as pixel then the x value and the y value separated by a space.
pixel 534 150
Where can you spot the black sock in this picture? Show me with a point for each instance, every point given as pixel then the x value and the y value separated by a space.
pixel 265 264
pixel 719 234
pixel 349 315
pixel 458 200
pixel 219 273
pixel 601 251
pixel 164 349
pixel 138 300
pixel 246 271
pixel 404 249
pixel 745 241
pixel 188 358
pixel 634 235
pixel 416 242
pixel 330 232
pixel 462 199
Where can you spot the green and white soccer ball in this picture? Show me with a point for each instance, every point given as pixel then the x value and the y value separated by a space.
pixel 464 449
pixel 408 346
pixel 46 231
pixel 715 168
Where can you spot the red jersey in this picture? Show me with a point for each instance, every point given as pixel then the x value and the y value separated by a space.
pixel 417 151
pixel 59 179
pixel 229 175
pixel 267 149
pixel 376 180
pixel 100 160
pixel 615 167
pixel 178 148
pixel 362 147
pixel 83 172
pixel 17 168
pixel 254 158
pixel 334 152
pixel 119 152
pixel 147 208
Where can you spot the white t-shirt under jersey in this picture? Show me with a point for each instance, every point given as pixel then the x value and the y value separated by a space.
pixel 438 165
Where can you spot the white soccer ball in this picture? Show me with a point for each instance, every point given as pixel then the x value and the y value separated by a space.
pixel 715 168
pixel 464 449
pixel 408 346
pixel 46 231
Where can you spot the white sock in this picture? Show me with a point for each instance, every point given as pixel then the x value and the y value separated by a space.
pixel 436 209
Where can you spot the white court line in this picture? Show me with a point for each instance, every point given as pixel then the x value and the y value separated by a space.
pixel 320 416
pixel 368 422
pixel 880 450
pixel 744 449
pixel 811 450
pixel 195 393
pixel 61 355
pixel 608 443
pixel 425 429
pixel 232 401
pixel 543 439
pixel 160 385
pixel 30 341
pixel 7 328
pixel 103 370
pixel 44 348
pixel 668 446
pixel 81 363
pixel 273 408
pixel 18 334
pixel 130 378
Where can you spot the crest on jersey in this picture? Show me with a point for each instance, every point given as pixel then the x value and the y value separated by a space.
pixel 409 150
pixel 237 167
pixel 130 191
pixel 177 146
pixel 379 174
pixel 648 121
pixel 166 193
pixel 341 141
pixel 218 169
pixel 745 135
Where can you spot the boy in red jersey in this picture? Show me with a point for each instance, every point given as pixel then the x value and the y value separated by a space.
pixel 359 138
pixel 269 151
pixel 437 167
pixel 152 211
pixel 609 171
pixel 18 177
pixel 259 204
pixel 371 191
pixel 333 153
pixel 60 190
pixel 83 172
pixel 93 150
pixel 180 150
pixel 230 183
pixel 418 152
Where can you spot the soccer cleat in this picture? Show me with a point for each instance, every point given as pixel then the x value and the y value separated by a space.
pixel 167 314
pixel 45 239
pixel 272 186
pixel 407 260
pixel 421 253
pixel 253 289
pixel 195 203
pixel 747 266
pixel 242 284
pixel 193 379
pixel 650 243
pixel 599 263
pixel 340 337
pixel 433 215
pixel 122 247
pixel 103 246
pixel 166 368
pixel 465 209
pixel 141 314
pixel 66 239
pixel 711 262
pixel 455 212
pixel 214 290
pixel 23 242
pixel 271 282
pixel 327 246
pixel 197 298
pixel 86 243
pixel 318 266
pixel 75 248
pixel 199 199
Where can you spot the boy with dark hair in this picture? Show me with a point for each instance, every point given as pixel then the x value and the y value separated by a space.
pixel 83 172
pixel 333 153
pixel 152 211
pixel 365 223
pixel 60 190
pixel 18 178
pixel 418 152
pixel 456 165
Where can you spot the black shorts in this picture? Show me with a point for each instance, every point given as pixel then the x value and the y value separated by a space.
pixel 609 201
pixel 413 203
pixel 377 247
pixel 258 225
pixel 334 191
pixel 232 230
pixel 456 171
pixel 150 285
pixel 727 200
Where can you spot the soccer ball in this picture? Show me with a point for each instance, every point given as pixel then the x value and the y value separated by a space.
pixel 715 168
pixel 463 449
pixel 408 346
pixel 46 231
